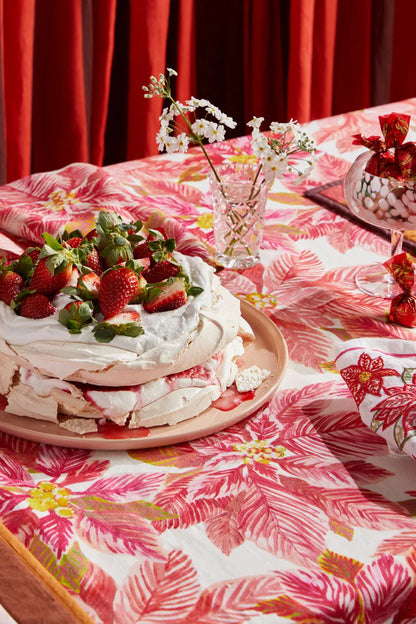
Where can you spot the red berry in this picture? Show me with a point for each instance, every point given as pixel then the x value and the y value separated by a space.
pixel 117 288
pixel 73 242
pixel 43 281
pixel 172 296
pixel 161 271
pixel 91 234
pixel 89 283
pixel 10 285
pixel 142 251
pixel 94 262
pixel 36 306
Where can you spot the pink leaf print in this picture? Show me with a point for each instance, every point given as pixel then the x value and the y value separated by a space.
pixel 232 601
pixel 305 345
pixel 124 487
pixel 384 586
pixel 97 589
pixel 290 266
pixel 56 531
pixel 223 529
pixel 332 599
pixel 364 508
pixel 22 523
pixel 174 500
pixel 364 473
pixel 12 473
pixel 55 460
pixel 116 528
pixel 157 592
pixel 398 544
pixel 283 523
pixel 407 611
pixel 23 451
pixel 9 500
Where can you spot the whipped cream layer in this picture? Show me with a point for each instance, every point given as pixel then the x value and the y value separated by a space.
pixel 172 341
pixel 79 407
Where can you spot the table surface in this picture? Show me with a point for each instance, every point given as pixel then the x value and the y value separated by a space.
pixel 299 512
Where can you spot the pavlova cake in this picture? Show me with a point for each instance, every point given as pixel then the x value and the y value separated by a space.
pixel 116 325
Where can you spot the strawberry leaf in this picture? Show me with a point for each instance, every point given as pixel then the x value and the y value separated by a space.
pixel 105 332
pixel 52 242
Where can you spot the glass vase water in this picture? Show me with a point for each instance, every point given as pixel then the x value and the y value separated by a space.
pixel 239 202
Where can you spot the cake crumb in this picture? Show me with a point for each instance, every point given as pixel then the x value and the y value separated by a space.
pixel 250 378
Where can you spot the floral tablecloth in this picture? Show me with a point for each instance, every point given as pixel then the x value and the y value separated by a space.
pixel 298 513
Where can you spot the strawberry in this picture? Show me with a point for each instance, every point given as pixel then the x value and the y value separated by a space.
pixel 91 234
pixel 75 315
pixel 142 250
pixel 10 285
pixel 73 242
pixel 118 286
pixel 94 262
pixel 122 324
pixel 140 293
pixel 36 306
pixel 167 296
pixel 43 281
pixel 161 271
pixel 89 285
pixel 33 253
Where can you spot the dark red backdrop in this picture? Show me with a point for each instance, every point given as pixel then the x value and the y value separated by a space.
pixel 72 70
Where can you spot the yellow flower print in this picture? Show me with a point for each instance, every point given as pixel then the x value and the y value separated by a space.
pixel 49 496
pixel 259 451
pixel 59 199
pixel 261 300
pixel 205 221
pixel 251 159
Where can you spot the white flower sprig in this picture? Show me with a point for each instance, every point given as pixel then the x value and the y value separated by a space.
pixel 183 117
pixel 285 148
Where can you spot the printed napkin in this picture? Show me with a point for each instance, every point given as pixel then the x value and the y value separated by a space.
pixel 72 197
pixel 381 375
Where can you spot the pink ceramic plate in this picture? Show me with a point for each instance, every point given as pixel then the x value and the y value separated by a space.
pixel 267 351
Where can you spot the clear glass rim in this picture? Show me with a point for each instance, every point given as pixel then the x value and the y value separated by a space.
pixel 235 168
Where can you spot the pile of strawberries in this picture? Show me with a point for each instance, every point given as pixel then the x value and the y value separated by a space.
pixel 114 265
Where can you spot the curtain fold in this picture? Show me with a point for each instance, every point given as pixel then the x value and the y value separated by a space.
pixel 104 19
pixel 59 106
pixel 299 96
pixel 71 71
pixel 18 74
pixel 149 20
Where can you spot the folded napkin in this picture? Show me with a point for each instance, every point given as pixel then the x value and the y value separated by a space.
pixel 75 194
pixel 381 375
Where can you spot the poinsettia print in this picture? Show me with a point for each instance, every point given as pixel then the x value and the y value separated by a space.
pixel 59 494
pixel 366 377
pixel 344 591
pixel 275 480
pixel 305 314
pixel 48 202
pixel 398 409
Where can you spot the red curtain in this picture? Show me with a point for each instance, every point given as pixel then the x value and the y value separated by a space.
pixel 71 71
